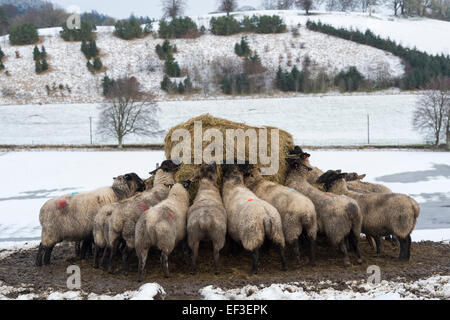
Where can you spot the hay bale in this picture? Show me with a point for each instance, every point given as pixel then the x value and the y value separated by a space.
pixel 186 171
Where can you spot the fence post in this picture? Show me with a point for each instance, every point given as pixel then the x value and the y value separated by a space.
pixel 90 128
pixel 368 129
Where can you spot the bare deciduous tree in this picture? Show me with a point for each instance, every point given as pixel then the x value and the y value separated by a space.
pixel 173 8
pixel 228 6
pixel 304 4
pixel 128 110
pixel 431 114
pixel 285 4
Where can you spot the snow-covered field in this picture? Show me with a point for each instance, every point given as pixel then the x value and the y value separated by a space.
pixel 31 178
pixel 340 119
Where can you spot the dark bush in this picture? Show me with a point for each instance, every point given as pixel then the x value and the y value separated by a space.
pixel 289 81
pixel 350 80
pixel 107 83
pixel 270 24
pixel 23 34
pixel 131 29
pixel 224 25
pixel 86 32
pixel 171 67
pixel 177 28
pixel 242 49
pixel 163 50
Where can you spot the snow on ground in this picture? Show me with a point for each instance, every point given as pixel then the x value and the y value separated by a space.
pixel 138 58
pixel 31 178
pixel 429 35
pixel 437 287
pixel 340 119
pixel 148 291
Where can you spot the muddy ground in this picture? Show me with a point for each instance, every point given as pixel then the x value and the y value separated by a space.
pixel 428 259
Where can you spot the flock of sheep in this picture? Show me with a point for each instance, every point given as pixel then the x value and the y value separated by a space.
pixel 246 210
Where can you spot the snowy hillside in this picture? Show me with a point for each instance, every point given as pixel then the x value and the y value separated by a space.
pixel 428 35
pixel 197 56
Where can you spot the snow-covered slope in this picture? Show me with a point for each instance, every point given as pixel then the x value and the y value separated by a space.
pixel 428 35
pixel 197 56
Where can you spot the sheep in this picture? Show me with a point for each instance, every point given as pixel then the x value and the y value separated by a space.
pixel 354 179
pixel 71 217
pixel 124 215
pixel 207 218
pixel 250 219
pixel 297 212
pixel 338 217
pixel 354 183
pixel 383 213
pixel 163 226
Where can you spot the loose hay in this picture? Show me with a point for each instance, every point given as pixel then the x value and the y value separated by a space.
pixel 186 171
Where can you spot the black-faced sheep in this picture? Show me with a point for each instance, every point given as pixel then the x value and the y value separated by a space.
pixel 338 217
pixel 163 226
pixel 207 218
pixel 122 222
pixel 250 219
pixel 297 212
pixel 383 213
pixel 71 218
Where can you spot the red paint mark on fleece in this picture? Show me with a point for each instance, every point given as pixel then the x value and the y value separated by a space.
pixel 326 195
pixel 171 216
pixel 143 207
pixel 62 203
pixel 250 200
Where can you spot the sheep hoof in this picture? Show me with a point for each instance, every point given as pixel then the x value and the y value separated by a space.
pixel 283 268
pixel 216 273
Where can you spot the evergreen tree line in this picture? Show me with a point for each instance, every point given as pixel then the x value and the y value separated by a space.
pixel 40 59
pixel 23 34
pixel 421 67
pixel 172 87
pixel 227 25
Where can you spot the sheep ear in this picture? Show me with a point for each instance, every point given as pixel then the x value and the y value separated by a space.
pixel 361 176
pixel 128 177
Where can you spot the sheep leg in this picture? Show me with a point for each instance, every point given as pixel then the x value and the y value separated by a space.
pixel 114 249
pixel 255 260
pixel 97 251
pixel 403 250
pixel 343 247
pixel 355 247
pixel 282 257
pixel 380 246
pixel 371 242
pixel 104 255
pixel 48 254
pixel 216 259
pixel 39 254
pixel 165 264
pixel 296 248
pixel 77 249
pixel 142 257
pixel 185 248
pixel 408 249
pixel 312 251
pixel 86 246
pixel 194 257
pixel 126 260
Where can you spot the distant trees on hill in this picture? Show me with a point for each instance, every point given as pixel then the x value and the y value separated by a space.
pixel 132 29
pixel 23 34
pixel 86 32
